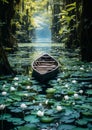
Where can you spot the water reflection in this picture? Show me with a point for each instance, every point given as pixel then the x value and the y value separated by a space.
pixel 28 52
pixel 42 32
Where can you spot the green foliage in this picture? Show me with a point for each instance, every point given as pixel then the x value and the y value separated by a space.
pixel 31 127
pixel 89 92
pixel 66 18
pixel 66 127
pixel 72 5
pixel 5 1
pixel 67 21
pixel 82 122
pixel 31 119
pixel 46 119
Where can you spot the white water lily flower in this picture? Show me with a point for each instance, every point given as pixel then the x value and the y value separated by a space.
pixel 87 70
pixel 58 80
pixel 90 85
pixel 66 97
pixel 34 101
pixel 74 81
pixel 73 103
pixel 81 68
pixel 66 86
pixel 57 124
pixel 2 106
pixel 74 66
pixel 4 85
pixel 16 78
pixel 40 104
pixel 44 129
pixel 26 95
pixel 4 93
pixel 40 113
pixel 80 91
pixel 46 102
pixel 12 89
pixel 28 79
pixel 16 84
pixel 23 105
pixel 59 108
pixel 28 87
pixel 76 95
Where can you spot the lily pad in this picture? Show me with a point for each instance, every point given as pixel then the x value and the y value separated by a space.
pixel 16 98
pixel 70 92
pixel 82 122
pixel 66 127
pixel 5 116
pixel 16 110
pixel 89 92
pixel 31 119
pixel 15 121
pixel 28 128
pixel 47 119
pixel 87 114
pixel 51 90
pixel 67 119
pixel 32 126
pixel 78 128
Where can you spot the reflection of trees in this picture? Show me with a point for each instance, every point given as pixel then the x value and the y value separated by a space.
pixel 23 21
pixel 56 9
pixel 4 64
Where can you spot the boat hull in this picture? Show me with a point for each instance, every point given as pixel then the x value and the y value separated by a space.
pixel 50 74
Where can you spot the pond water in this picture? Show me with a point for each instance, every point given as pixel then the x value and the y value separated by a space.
pixel 65 103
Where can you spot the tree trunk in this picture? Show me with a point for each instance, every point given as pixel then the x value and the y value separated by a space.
pixel 6 13
pixel 72 38
pixel 4 64
pixel 86 32
pixel 56 20
pixel 78 19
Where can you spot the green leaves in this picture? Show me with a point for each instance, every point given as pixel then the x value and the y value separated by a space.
pixel 82 122
pixel 5 1
pixel 31 127
pixel 66 127
pixel 50 91
pixel 71 6
pixel 5 116
pixel 89 92
pixel 16 121
pixel 47 119
pixel 31 119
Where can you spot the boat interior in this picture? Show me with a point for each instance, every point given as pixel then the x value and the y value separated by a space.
pixel 45 64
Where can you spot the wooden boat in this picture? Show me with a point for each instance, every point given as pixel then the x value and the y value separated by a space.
pixel 45 68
